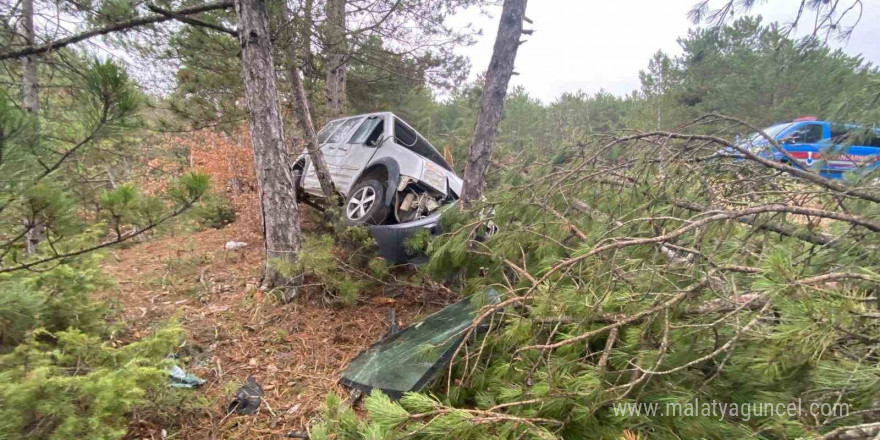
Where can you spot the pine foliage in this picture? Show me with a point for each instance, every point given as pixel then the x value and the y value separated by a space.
pixel 70 385
pixel 648 269
pixel 64 373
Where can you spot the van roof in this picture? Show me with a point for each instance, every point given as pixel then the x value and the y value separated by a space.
pixel 431 153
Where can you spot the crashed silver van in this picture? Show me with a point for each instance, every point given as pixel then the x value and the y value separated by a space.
pixel 386 172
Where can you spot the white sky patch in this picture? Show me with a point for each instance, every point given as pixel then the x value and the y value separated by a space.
pixel 593 45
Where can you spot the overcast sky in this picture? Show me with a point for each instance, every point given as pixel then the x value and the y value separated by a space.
pixel 591 45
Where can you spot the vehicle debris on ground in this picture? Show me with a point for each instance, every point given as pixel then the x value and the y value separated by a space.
pixel 180 378
pixel 408 359
pixel 234 245
pixel 247 399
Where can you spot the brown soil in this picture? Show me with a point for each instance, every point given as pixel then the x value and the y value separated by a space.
pixel 295 351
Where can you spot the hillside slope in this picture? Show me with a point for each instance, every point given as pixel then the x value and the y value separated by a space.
pixel 294 351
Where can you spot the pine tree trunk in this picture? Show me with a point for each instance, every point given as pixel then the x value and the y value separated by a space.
pixel 304 119
pixel 334 84
pixel 277 201
pixel 30 91
pixel 492 103
pixel 30 101
pixel 305 35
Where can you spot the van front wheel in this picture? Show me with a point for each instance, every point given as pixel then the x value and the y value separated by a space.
pixel 365 204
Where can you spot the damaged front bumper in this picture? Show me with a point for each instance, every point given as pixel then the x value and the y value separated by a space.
pixel 391 238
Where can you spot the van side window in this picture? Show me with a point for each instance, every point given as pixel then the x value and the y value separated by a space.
pixel 838 131
pixel 806 134
pixel 374 138
pixel 864 138
pixel 854 135
pixel 406 137
pixel 403 135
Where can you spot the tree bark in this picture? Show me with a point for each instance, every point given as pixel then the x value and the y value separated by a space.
pixel 305 35
pixel 30 92
pixel 334 84
pixel 277 200
pixel 304 119
pixel 30 102
pixel 492 103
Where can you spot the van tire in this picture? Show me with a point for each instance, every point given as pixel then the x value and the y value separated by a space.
pixel 365 204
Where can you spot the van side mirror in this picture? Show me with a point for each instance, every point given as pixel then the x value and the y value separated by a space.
pixel 376 142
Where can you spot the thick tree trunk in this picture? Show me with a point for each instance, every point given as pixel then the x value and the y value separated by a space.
pixel 277 200
pixel 336 67
pixel 304 118
pixel 492 103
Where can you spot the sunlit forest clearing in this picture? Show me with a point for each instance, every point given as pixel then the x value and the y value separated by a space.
pixel 310 219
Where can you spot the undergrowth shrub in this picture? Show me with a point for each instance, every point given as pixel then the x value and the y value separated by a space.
pixel 54 300
pixel 72 385
pixel 214 212
pixel 357 245
pixel 338 421
pixel 318 258
pixel 345 266
pixel 417 244
pixel 60 377
pixel 19 312
pixel 62 373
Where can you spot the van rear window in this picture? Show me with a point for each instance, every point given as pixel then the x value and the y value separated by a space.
pixel 408 138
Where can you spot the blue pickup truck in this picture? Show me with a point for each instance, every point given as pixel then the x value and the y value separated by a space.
pixel 830 148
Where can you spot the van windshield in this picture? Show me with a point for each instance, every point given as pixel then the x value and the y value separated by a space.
pixel 343 129
pixel 772 131
pixel 328 130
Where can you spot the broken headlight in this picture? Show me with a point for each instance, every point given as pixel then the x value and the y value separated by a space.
pixel 434 176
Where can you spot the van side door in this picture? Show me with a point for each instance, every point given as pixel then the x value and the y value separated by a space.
pixel 803 142
pixel 333 140
pixel 354 152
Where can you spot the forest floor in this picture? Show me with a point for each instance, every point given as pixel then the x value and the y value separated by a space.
pixel 233 330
